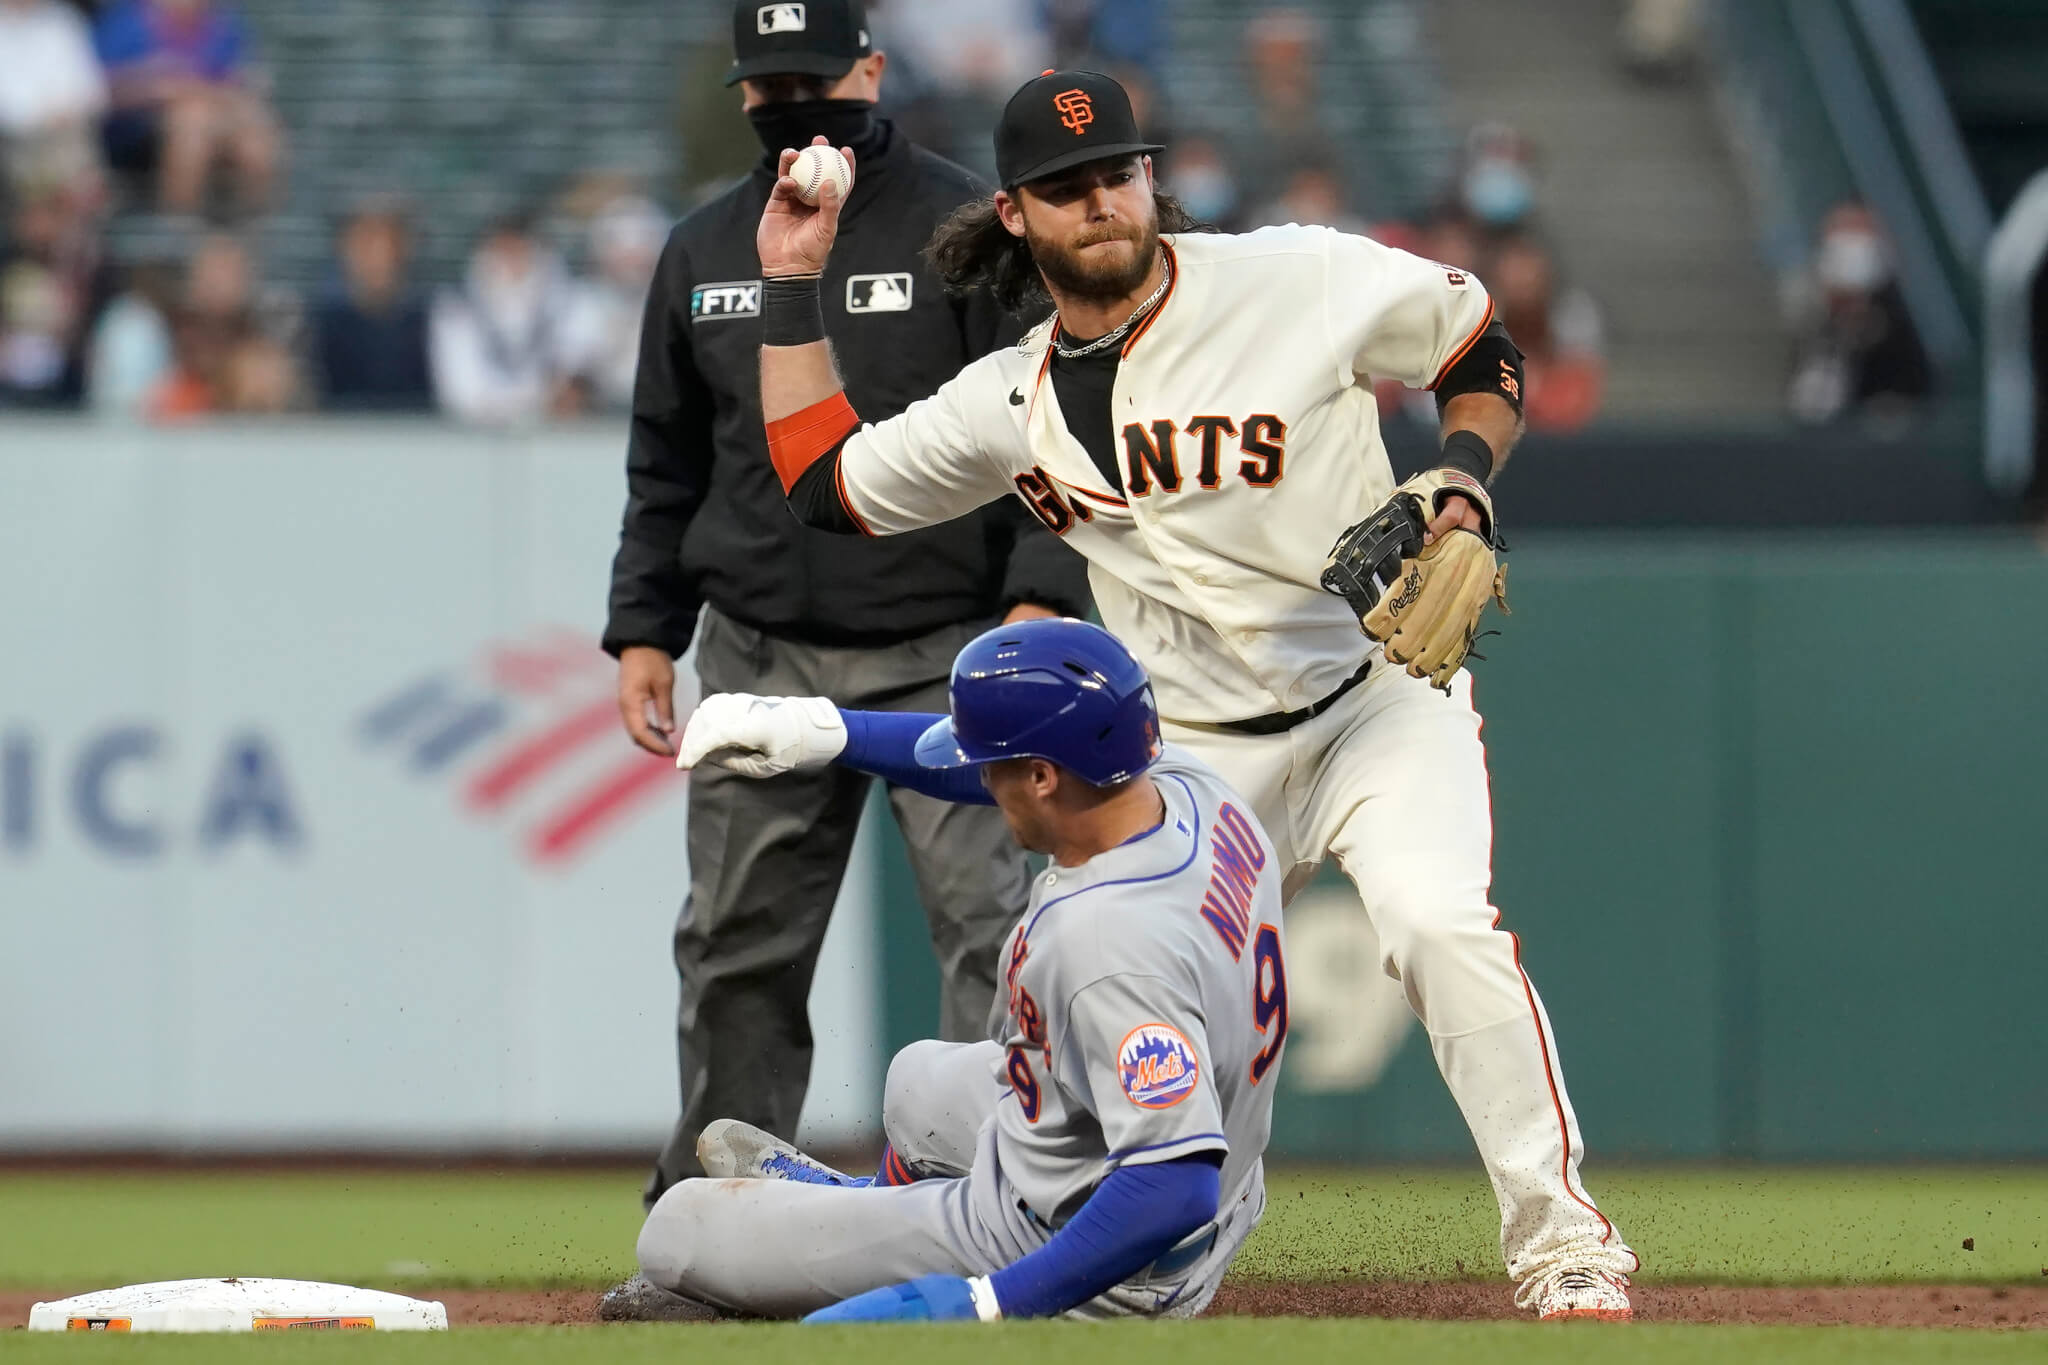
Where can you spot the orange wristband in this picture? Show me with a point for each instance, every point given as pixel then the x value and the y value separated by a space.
pixel 798 441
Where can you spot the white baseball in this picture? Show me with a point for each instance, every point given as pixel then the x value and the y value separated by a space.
pixel 815 165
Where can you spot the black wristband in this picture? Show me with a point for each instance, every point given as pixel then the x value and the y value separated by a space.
pixel 792 312
pixel 1468 452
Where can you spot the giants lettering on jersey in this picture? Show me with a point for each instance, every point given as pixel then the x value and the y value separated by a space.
pixel 1153 452
pixel 1238 857
pixel 1152 458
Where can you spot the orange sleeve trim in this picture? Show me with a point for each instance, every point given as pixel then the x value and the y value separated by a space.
pixel 1459 354
pixel 798 441
pixel 839 480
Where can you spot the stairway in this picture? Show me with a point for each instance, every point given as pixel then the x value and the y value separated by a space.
pixel 1640 199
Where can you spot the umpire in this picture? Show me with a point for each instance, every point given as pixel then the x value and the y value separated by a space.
pixel 709 546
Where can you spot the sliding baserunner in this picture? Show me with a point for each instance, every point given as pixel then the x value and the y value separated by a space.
pixel 1101 1156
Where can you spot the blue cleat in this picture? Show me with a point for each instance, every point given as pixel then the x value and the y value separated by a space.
pixel 731 1150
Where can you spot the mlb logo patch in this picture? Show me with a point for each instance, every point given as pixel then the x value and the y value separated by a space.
pixel 779 19
pixel 1156 1066
pixel 729 299
pixel 878 293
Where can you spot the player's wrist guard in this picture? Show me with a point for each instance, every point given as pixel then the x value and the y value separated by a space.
pixel 983 1292
pixel 1468 452
pixel 792 310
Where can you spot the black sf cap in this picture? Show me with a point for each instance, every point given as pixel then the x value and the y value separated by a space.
pixel 1062 119
pixel 797 37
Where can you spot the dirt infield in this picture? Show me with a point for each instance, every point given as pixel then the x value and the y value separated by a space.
pixel 2020 1306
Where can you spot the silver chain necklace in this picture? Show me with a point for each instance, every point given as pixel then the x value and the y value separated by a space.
pixel 1115 335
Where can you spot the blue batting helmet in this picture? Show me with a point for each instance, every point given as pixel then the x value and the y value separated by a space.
pixel 1058 689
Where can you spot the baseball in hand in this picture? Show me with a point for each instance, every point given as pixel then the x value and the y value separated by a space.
pixel 817 164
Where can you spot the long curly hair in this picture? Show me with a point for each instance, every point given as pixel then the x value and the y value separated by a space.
pixel 973 250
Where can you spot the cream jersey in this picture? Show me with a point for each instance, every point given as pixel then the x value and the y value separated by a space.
pixel 1249 440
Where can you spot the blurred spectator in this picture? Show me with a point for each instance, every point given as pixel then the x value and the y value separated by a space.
pixel 51 95
pixel 1858 350
pixel 370 326
pixel 1202 181
pixel 1097 34
pixel 53 283
pixel 1454 242
pixel 1312 195
pixel 1563 372
pixel 184 102
pixel 987 48
pixel 626 238
pixel 131 346
pixel 953 66
pixel 1497 179
pixel 1658 37
pixel 230 347
pixel 497 345
pixel 1153 116
pixel 1286 132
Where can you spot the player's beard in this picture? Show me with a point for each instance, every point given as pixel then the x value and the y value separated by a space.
pixel 1071 273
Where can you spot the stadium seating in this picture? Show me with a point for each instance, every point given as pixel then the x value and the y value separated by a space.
pixel 468 108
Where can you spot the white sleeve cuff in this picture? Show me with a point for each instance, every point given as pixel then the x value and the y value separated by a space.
pixel 984 1295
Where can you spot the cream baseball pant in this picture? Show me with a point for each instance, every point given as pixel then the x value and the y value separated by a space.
pixel 1391 781
pixel 779 1249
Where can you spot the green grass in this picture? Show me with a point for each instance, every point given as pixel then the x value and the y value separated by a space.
pixel 1772 1225
pixel 1779 1226
pixel 1210 1342
pixel 386 1228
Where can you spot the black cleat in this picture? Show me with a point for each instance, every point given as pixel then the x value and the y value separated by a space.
pixel 637 1300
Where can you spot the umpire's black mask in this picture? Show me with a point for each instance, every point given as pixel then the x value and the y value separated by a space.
pixel 844 123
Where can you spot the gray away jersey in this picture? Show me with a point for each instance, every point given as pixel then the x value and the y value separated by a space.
pixel 1147 1003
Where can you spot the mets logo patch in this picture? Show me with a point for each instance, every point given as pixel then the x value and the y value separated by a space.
pixel 1156 1066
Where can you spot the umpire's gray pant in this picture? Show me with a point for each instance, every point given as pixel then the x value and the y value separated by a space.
pixel 766 859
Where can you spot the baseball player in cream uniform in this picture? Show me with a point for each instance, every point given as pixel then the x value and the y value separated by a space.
pixel 1197 419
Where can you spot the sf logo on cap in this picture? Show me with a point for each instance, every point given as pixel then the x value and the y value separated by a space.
pixel 1077 111
pixel 779 19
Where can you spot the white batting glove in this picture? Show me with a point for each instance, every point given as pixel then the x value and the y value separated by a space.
pixel 762 736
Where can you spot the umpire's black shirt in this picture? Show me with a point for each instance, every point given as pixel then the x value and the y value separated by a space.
pixel 706 518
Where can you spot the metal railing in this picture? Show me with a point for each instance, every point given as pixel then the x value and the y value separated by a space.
pixel 1884 175
pixel 2011 400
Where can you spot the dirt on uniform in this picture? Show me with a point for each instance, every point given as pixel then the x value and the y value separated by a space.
pixel 2022 1306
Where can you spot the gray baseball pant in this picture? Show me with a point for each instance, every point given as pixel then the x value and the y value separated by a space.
pixel 780 1249
pixel 766 860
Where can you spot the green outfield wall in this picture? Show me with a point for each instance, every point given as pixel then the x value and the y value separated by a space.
pixel 1772 823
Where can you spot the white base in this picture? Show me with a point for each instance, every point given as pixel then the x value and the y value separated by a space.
pixel 238 1305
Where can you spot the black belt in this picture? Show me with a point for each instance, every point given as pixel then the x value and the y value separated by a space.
pixel 1281 721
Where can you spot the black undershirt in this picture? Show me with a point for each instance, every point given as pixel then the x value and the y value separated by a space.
pixel 1084 388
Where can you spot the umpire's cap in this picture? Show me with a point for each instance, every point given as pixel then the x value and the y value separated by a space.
pixel 797 37
pixel 1058 689
pixel 1061 119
